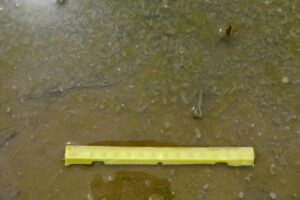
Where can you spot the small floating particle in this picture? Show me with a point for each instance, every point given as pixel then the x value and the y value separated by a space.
pixel 8 109
pixel 1 9
pixel 272 169
pixel 89 197
pixel 273 195
pixel 259 133
pixel 267 2
pixel 205 186
pixel 110 178
pixel 285 79
pixel 183 98
pixel 17 4
pixel 252 125
pixel 29 78
pixel 198 133
pixel 147 182
pixel 14 87
pixel 279 10
pixel 273 166
pixel 172 172
pixel 167 124
pixel 248 177
pixel 287 128
pixel 241 195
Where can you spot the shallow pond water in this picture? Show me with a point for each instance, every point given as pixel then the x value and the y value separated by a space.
pixel 128 72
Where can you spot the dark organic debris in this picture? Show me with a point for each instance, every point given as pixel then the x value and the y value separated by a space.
pixel 226 32
pixel 8 139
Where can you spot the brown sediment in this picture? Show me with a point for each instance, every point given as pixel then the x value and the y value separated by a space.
pixel 129 185
pixel 138 143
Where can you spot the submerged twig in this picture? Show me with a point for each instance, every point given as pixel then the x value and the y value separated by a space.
pixel 8 139
pixel 58 91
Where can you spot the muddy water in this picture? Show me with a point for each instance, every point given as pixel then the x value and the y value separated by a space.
pixel 91 71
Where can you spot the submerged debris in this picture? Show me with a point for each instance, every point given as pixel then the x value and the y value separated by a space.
pixel 226 32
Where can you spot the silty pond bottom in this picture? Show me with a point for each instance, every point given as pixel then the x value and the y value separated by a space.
pixel 97 71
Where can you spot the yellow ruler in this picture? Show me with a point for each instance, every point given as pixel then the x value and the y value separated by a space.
pixel 234 156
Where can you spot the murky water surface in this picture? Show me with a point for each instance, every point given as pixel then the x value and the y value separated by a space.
pixel 96 71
